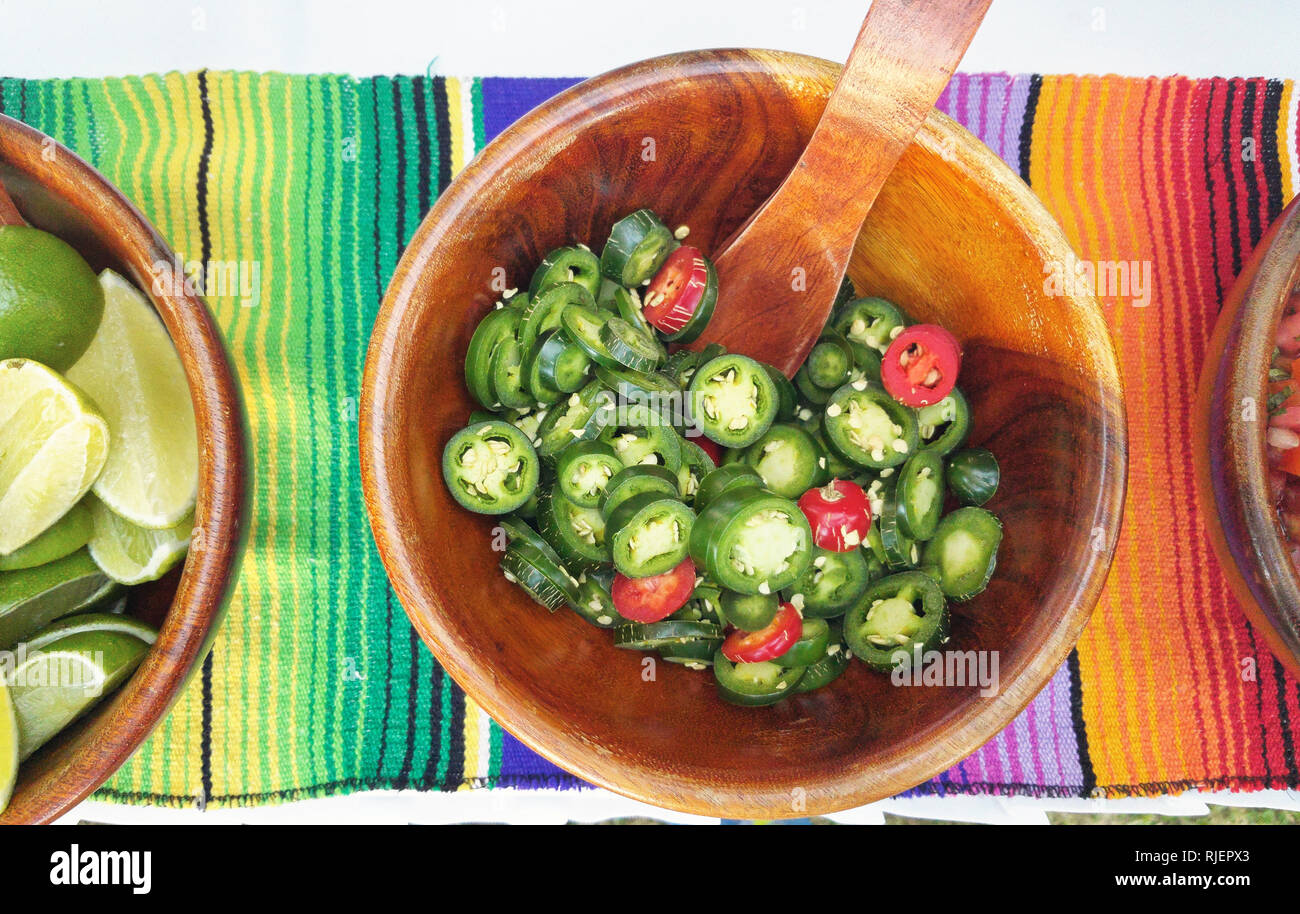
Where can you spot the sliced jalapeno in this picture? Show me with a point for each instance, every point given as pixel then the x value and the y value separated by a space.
pixel 834 581
pixel 508 384
pixel 811 646
pixel 752 541
pixel 546 581
pixel 896 615
pixel 637 247
pixel 648 534
pixel 808 391
pixel 638 479
pixel 594 602
pixel 546 310
pixel 749 612
pixel 490 468
pixel 581 417
pixel 873 322
pixel 696 464
pixel 920 494
pixel 786 458
pixel 901 551
pixel 787 396
pixel 584 469
pixel 653 636
pixel 655 443
pixel 830 361
pixel 943 427
pixel 638 386
pixel 754 685
pixel 973 476
pixel 583 326
pixel 561 364
pixel 570 264
pixel 496 327
pixel 694 655
pixel 965 550
pixel 832 664
pixel 576 533
pixel 733 400
pixel 868 427
pixel 724 479
pixel 629 346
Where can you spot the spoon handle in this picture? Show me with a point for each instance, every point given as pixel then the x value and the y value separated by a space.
pixel 904 55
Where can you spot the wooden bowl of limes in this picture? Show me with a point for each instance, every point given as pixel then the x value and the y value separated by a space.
pixel 122 477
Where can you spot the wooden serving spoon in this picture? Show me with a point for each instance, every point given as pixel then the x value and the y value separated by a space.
pixel 779 274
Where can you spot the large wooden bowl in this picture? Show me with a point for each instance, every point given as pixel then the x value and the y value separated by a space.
pixel 955 237
pixel 60 193
pixel 1231 421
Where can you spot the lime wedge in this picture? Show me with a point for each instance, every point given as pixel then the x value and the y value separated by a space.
pixel 69 533
pixel 34 597
pixel 53 445
pixel 130 554
pixel 132 371
pixel 53 687
pixel 8 746
pixel 90 622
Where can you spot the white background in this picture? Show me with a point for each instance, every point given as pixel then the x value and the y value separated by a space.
pixel 567 38
pixel 583 37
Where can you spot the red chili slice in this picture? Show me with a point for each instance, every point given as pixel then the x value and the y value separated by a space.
pixel 769 643
pixel 921 365
pixel 839 514
pixel 656 597
pixel 710 447
pixel 675 292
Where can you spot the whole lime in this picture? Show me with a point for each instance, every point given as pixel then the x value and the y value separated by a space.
pixel 50 299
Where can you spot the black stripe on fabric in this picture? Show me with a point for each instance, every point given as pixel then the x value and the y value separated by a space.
pixel 443 114
pixel 1027 125
pixel 1250 165
pixel 1077 724
pixel 419 106
pixel 1209 195
pixel 1284 724
pixel 388 589
pixel 1268 148
pixel 205 245
pixel 413 695
pixel 1229 182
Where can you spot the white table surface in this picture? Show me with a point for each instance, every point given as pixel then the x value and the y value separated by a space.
pixel 567 38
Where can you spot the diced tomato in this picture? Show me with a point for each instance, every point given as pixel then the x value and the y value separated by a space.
pixel 839 514
pixel 769 643
pixel 656 597
pixel 676 290
pixel 921 365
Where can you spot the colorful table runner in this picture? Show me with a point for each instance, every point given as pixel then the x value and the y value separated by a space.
pixel 306 188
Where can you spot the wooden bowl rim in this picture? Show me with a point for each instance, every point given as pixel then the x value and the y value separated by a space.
pixel 210 568
pixel 1260 570
pixel 533 725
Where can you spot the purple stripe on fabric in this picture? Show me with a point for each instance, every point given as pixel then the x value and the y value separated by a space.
pixel 506 99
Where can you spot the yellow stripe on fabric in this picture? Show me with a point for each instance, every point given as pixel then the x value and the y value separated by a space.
pixel 1286 142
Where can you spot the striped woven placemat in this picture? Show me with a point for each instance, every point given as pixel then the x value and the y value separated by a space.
pixel 299 192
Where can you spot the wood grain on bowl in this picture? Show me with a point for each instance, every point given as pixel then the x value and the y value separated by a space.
pixel 954 237
pixel 62 194
pixel 1231 421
